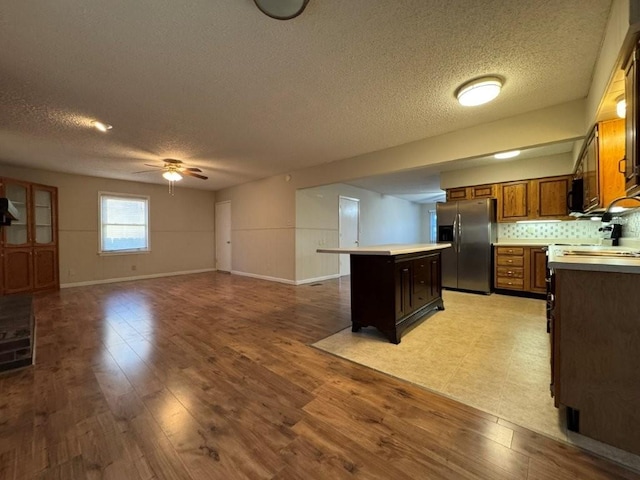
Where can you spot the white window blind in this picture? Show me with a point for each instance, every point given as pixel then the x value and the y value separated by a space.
pixel 124 223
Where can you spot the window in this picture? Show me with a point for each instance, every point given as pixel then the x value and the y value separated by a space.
pixel 433 226
pixel 124 223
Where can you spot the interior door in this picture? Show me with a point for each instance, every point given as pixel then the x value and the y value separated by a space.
pixel 349 213
pixel 223 236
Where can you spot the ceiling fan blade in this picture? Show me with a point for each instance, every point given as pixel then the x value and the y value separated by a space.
pixel 154 166
pixel 193 169
pixel 191 174
pixel 147 171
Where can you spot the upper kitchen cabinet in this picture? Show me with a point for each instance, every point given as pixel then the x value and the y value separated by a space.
pixel 29 247
pixel 469 193
pixel 632 94
pixel 600 164
pixel 513 201
pixel 539 198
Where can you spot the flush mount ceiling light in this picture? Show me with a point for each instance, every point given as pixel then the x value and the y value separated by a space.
pixel 503 155
pixel 103 127
pixel 281 9
pixel 621 106
pixel 479 91
pixel 172 176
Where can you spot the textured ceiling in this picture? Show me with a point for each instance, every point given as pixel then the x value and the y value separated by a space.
pixel 242 96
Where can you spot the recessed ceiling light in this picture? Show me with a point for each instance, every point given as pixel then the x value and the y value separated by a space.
pixel 479 91
pixel 503 155
pixel 103 127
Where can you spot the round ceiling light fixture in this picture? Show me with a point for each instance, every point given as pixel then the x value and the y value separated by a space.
pixel 281 9
pixel 510 154
pixel 172 176
pixel 621 106
pixel 479 91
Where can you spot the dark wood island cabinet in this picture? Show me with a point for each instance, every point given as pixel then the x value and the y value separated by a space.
pixel 394 286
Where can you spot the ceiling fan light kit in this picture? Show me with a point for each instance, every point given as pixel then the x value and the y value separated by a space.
pixel 479 91
pixel 172 176
pixel 173 171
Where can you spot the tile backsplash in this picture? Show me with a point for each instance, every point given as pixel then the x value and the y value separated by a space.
pixel 568 229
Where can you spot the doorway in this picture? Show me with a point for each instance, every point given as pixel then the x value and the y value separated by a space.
pixel 348 229
pixel 223 236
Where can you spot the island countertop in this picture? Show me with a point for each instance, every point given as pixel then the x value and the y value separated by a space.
pixel 392 249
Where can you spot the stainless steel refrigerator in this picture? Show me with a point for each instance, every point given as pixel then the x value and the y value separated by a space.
pixel 470 227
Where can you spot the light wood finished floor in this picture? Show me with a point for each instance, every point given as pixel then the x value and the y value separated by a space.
pixel 211 376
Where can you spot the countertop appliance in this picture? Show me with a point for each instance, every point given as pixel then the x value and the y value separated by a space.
pixel 470 226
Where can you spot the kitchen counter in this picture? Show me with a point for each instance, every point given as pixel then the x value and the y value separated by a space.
pixel 391 249
pixel 591 259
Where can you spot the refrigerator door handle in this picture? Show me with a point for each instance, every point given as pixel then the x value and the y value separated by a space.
pixel 455 233
pixel 459 235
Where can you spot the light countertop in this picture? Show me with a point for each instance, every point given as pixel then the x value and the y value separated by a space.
pixel 588 259
pixel 393 249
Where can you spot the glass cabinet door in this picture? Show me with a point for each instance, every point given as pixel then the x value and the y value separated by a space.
pixel 18 232
pixel 43 214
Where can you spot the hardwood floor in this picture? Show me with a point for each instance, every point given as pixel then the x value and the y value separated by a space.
pixel 210 376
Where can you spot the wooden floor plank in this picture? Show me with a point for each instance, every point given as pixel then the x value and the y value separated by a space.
pixel 212 376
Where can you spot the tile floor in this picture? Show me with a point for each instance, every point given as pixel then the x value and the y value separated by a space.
pixel 490 352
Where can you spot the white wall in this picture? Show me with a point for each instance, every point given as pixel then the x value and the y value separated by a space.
pixel 181 228
pixel 501 171
pixel 383 219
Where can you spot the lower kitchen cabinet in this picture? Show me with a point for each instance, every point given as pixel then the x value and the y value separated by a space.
pixel 392 293
pixel 521 269
pixel 595 355
pixel 17 270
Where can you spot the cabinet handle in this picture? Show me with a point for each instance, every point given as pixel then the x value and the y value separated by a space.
pixel 509 272
pixel 405 269
pixel 509 261
pixel 510 251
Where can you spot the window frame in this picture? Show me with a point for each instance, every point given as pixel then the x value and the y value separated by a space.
pixel 125 196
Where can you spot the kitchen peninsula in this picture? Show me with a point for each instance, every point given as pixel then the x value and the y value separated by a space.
pixel 393 286
pixel 594 341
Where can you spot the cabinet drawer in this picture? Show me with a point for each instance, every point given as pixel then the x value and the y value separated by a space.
pixel 510 261
pixel 513 283
pixel 510 272
pixel 510 250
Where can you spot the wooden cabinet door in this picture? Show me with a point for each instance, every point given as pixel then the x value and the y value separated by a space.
pixel 513 201
pixel 632 89
pixel 550 197
pixel 404 293
pixel 45 268
pixel 483 191
pixel 461 193
pixel 538 270
pixel 17 270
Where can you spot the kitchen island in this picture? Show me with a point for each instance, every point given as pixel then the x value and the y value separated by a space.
pixel 595 333
pixel 393 286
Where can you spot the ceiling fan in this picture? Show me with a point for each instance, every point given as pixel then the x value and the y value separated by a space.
pixel 173 170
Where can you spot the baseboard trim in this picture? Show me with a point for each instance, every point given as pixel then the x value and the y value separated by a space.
pixel 263 277
pixel 137 277
pixel 317 279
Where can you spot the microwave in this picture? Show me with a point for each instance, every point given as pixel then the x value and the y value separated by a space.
pixel 575 197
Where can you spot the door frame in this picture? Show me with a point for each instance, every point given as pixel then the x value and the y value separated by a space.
pixel 344 266
pixel 222 236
